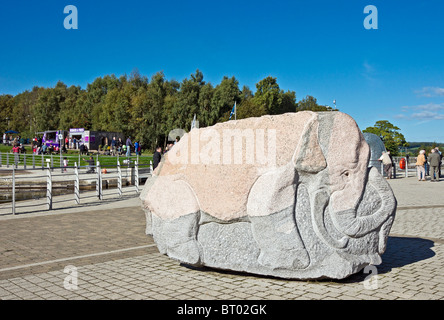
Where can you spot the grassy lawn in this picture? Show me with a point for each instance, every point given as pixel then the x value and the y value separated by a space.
pixel 72 156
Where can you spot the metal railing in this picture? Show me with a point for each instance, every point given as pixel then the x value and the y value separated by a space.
pixel 132 172
pixel 34 161
pixel 408 170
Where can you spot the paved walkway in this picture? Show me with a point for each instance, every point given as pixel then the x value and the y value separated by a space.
pixel 105 248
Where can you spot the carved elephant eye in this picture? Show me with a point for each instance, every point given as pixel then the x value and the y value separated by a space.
pixel 346 173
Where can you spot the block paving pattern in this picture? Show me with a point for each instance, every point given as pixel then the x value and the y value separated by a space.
pixel 115 260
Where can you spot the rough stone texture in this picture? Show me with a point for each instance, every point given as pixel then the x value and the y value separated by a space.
pixel 376 148
pixel 312 209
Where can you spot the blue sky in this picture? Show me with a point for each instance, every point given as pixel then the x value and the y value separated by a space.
pixel 318 48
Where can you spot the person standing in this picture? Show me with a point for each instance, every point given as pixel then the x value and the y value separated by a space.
pixel 113 146
pixel 387 163
pixel 128 146
pixel 157 157
pixel 420 169
pixel 65 163
pixel 434 160
pixel 136 147
pixel 440 161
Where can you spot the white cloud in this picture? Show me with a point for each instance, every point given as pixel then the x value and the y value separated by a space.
pixel 427 115
pixel 369 72
pixel 425 112
pixel 430 92
pixel 368 68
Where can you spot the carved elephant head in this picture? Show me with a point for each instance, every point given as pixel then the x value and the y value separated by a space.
pixel 335 172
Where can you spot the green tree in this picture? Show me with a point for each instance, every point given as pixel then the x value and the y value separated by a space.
pixel 187 102
pixel 92 103
pixel 6 112
pixel 389 134
pixel 247 109
pixel 272 99
pixel 225 95
pixel 311 103
pixel 69 108
pixel 48 106
pixel 206 114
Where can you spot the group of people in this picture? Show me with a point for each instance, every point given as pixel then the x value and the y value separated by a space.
pixel 74 143
pixel 425 164
pixel 7 139
pixel 118 147
pixel 429 165
pixel 38 147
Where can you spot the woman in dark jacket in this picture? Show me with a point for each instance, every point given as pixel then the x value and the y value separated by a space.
pixel 157 157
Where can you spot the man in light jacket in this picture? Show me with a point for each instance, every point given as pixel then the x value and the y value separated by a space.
pixel 420 169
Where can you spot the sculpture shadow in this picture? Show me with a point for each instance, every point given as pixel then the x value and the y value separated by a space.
pixel 400 251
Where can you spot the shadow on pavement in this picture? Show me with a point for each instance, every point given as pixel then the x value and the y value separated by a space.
pixel 400 252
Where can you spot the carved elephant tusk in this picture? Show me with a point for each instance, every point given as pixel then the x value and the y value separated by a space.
pixel 349 224
pixel 319 202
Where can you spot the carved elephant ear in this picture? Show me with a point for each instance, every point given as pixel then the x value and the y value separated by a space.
pixel 309 156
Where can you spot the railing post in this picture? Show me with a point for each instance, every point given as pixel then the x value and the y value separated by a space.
pixel 49 188
pixel 33 161
pixel 136 175
pixel 43 161
pixel 406 168
pixel 16 159
pixel 99 182
pixel 119 179
pixel 24 161
pixel 0 159
pixel 7 160
pixel 76 184
pixel 13 190
pixel 151 166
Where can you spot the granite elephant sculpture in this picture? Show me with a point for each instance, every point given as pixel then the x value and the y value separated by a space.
pixel 271 214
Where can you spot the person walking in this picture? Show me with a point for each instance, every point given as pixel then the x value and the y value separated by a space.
pixel 434 160
pixel 420 169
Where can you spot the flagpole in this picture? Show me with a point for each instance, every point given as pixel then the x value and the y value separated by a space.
pixel 235 110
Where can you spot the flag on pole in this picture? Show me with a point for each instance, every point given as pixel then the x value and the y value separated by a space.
pixel 193 123
pixel 233 111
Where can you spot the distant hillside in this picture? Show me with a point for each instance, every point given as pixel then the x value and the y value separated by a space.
pixel 414 145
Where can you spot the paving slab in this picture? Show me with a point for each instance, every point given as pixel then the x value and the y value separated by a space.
pixel 105 249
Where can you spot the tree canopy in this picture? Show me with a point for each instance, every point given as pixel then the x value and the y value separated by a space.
pixel 389 134
pixel 146 109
